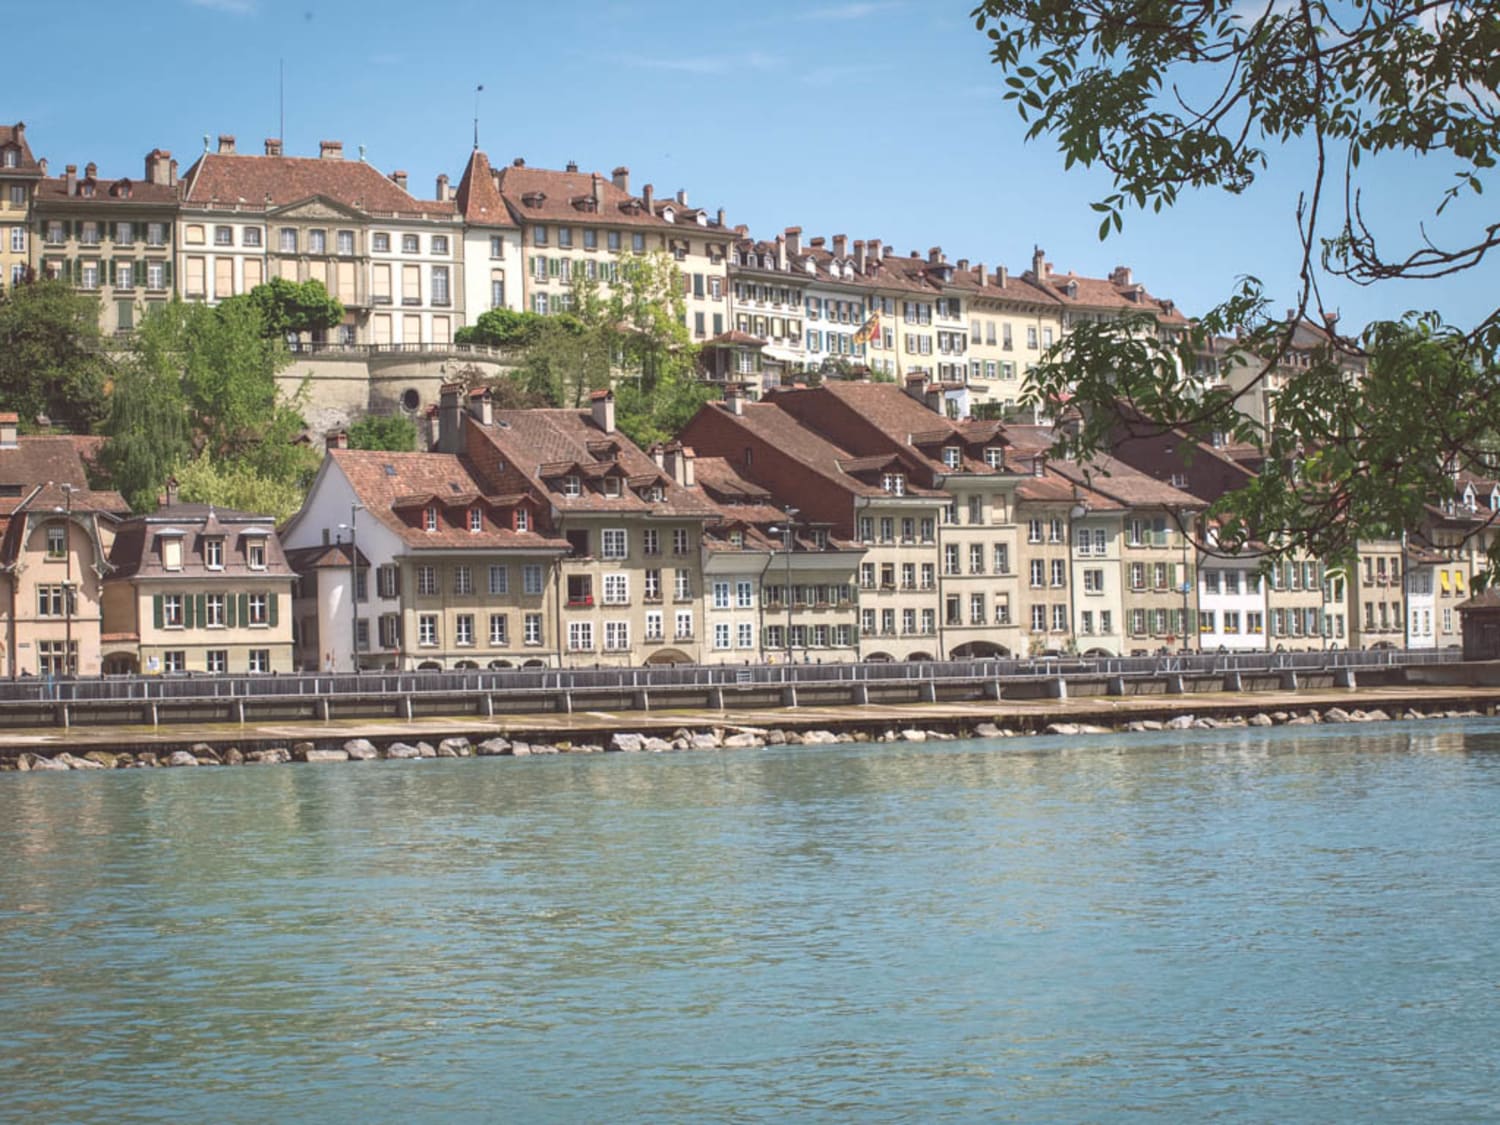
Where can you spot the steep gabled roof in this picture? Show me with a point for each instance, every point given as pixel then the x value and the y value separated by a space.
pixel 478 199
pixel 262 183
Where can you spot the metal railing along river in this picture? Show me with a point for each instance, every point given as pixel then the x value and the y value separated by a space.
pixel 727 676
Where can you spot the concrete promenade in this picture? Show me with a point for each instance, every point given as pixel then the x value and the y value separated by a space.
pixel 553 726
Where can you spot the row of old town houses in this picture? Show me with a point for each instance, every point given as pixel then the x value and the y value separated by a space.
pixel 547 538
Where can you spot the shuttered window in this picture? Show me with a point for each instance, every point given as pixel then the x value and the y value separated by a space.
pixel 223 277
pixel 411 285
pixel 195 286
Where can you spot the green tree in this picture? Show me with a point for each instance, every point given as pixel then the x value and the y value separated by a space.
pixel 661 414
pixel 646 317
pixel 237 486
pixel 502 328
pixel 289 307
pixel 395 432
pixel 201 381
pixel 565 360
pixel 1167 97
pixel 52 360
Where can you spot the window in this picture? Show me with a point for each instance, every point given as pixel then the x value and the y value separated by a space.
pixel 616 589
pixel 721 635
pixel 89 277
pixel 1059 574
pixel 744 595
pixel 531 579
pixel 427 584
pixel 463 629
pixel 721 595
pixel 1002 558
pixel 463 580
pixel 250 236
pixel 1038 573
pixel 174 660
pixel 531 629
pixel 171 611
pixel 613 543
pixel 499 580
pixel 259 610
pixel 894 483
pixel 54 601
pixel 224 236
pixel 683 627
pixel 682 590
pixel 213 554
pixel 18 239
pixel 430 518
pixel 499 629
pixel 654 627
pixel 213 611
pixel 427 635
pixel 1038 619
pixel 638 242
pixel 255 555
pixel 380 242
pixel 1034 531
pixel 156 275
pixel 216 660
pixel 580 636
pixel 1093 581
pixel 124 276
pixel 89 234
pixel 411 244
pixel 57 542
pixel 440 286
pixel 679 541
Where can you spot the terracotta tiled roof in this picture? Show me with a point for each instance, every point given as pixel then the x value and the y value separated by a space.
pixel 538 195
pixel 542 444
pixel 1118 294
pixel 383 480
pixel 42 458
pixel 478 199
pixel 121 192
pixel 15 134
pixel 333 556
pixel 263 183
pixel 135 552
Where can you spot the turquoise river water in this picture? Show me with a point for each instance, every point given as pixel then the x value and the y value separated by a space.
pixel 1289 925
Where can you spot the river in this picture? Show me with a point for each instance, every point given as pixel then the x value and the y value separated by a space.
pixel 1284 925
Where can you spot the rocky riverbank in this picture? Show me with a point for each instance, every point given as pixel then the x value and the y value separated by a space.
pixel 719 737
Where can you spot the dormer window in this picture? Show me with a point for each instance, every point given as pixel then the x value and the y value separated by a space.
pixel 1038 466
pixel 213 554
pixel 820 537
pixel 522 520
pixel 656 494
pixel 736 538
pixel 611 486
pixel 171 553
pixel 255 554
pixel 994 456
pixel 430 518
pixel 476 519
pixel 1469 498
pixel 950 456
pixel 11 158
pixel 572 486
pixel 895 483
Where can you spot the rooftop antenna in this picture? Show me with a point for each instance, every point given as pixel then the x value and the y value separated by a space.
pixel 281 100
pixel 477 91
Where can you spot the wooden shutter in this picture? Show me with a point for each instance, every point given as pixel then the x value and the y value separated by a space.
pixel 273 609
pixel 157 617
pixel 187 611
pixel 200 609
pixel 411 284
pixel 244 600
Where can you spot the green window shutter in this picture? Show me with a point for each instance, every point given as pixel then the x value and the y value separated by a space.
pixel 229 616
pixel 198 609
pixel 273 609
pixel 169 273
pixel 187 611
pixel 156 614
pixel 245 608
pixel 1172 575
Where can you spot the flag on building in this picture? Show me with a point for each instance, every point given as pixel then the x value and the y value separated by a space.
pixel 869 330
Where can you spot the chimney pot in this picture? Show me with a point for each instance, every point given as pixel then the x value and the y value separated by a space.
pixel 1002 275
pixel 336 439
pixel 682 197
pixel 518 162
pixel 720 219
pixel 90 170
pixel 443 194
pixel 794 241
pixel 572 166
pixel 1039 268
pixel 331 150
pixel 602 404
pixel 817 243
pixel 620 177
pixel 963 263
pixel 984 276
pixel 840 246
pixel 648 197
pixel 935 255
pixel 398 178
pixel 226 144
pixel 273 146
pixel 70 178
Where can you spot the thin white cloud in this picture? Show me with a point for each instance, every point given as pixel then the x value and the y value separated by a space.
pixel 857 10
pixel 234 7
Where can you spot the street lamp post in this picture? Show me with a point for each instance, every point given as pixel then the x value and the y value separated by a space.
pixel 353 526
pixel 69 664
pixel 1187 587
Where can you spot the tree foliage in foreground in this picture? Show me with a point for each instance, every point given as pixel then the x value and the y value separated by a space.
pixel 199 383
pixel 290 307
pixel 394 432
pixel 1168 97
pixel 52 360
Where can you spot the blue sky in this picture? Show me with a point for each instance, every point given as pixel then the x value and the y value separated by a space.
pixel 871 118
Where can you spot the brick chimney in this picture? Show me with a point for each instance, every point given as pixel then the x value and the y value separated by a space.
pixel 398 178
pixel 336 439
pixel 873 250
pixel 984 275
pixel 1002 276
pixel 70 179
pixel 841 246
pixel 443 194
pixel 679 464
pixel 794 241
pixel 719 219
pixel 1039 268
pixel 935 256
pixel 860 259
pixel 734 398
pixel 161 169
pixel 226 144
pixel 91 171
pixel 598 190
pixel 330 150
pixel 620 177
pixel 602 403
pixel 450 419
pixel 1120 276
pixel 682 197
pixel 273 146
pixel 648 197
pixel 482 405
